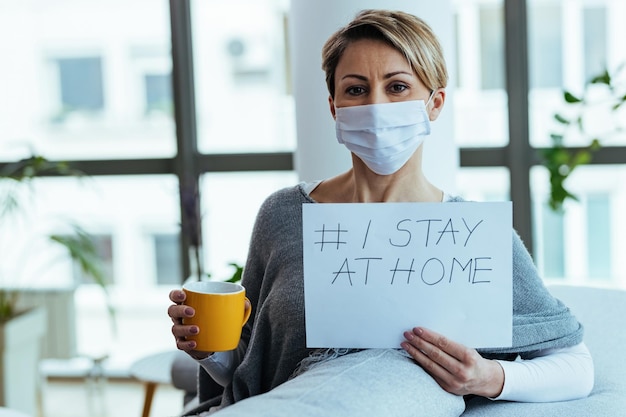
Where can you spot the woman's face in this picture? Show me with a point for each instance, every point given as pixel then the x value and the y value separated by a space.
pixel 370 72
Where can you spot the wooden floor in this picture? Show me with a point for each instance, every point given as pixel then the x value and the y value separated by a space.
pixel 72 397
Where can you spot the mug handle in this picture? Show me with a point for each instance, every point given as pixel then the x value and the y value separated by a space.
pixel 246 313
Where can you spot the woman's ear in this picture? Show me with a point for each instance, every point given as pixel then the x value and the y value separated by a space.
pixel 439 98
pixel 331 103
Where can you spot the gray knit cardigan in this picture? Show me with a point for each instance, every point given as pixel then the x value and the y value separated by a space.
pixel 273 341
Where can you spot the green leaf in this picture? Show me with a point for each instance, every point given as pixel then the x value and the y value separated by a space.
pixel 8 301
pixel 595 144
pixel 236 277
pixel 570 98
pixel 579 122
pixel 35 166
pixel 621 101
pixel 82 250
pixel 560 160
pixel 604 78
pixel 581 158
pixel 561 157
pixel 557 139
pixel 561 119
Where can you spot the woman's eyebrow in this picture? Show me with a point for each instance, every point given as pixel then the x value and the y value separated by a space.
pixel 360 77
pixel 386 76
pixel 393 74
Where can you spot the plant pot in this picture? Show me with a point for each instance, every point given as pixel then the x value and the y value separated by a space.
pixel 21 339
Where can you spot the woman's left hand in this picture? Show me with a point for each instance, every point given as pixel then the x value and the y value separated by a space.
pixel 456 368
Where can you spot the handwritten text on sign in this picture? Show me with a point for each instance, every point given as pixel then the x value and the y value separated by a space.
pixel 374 270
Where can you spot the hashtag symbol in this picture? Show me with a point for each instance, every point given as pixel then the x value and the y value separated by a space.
pixel 330 236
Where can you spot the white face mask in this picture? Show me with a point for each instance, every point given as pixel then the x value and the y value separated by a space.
pixel 384 136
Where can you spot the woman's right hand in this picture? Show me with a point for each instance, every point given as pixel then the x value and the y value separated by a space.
pixel 181 331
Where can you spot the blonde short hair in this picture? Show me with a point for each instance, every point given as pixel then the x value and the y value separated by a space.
pixel 409 34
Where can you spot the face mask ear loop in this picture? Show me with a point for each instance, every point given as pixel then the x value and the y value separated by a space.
pixel 432 94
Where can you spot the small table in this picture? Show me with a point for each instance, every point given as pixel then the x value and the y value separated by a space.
pixel 153 370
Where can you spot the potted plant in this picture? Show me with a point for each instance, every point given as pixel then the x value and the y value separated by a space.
pixel 19 356
pixel 604 94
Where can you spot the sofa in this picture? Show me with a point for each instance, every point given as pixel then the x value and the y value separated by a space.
pixel 603 314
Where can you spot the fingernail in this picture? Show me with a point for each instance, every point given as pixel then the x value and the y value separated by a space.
pixel 409 335
pixel 194 330
pixel 180 296
pixel 189 311
pixel 418 331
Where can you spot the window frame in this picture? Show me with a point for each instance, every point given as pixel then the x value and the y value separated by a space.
pixel 189 164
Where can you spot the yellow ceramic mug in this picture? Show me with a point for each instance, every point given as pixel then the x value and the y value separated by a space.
pixel 220 314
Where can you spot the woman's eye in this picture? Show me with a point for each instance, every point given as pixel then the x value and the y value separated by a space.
pixel 355 91
pixel 398 88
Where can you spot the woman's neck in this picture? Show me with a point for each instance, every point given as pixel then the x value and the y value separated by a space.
pixel 361 185
pixel 366 187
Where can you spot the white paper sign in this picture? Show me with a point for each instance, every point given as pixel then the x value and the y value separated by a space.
pixel 375 270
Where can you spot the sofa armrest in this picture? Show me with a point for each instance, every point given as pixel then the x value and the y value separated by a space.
pixel 185 374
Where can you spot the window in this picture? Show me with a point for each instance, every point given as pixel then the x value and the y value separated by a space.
pixel 480 102
pixel 569 42
pixel 104 249
pixel 80 81
pixel 150 72
pixel 167 258
pixel 74 89
pixel 492 47
pixel 599 233
pixel 595 48
pixel 545 54
pixel 484 184
pixel 249 61
pixel 249 84
pixel 229 205
pixel 550 228
pixel 580 243
pixel 159 93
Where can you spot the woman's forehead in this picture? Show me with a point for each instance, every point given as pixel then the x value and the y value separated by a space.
pixel 368 54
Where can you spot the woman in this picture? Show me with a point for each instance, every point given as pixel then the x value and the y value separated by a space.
pixel 386 76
